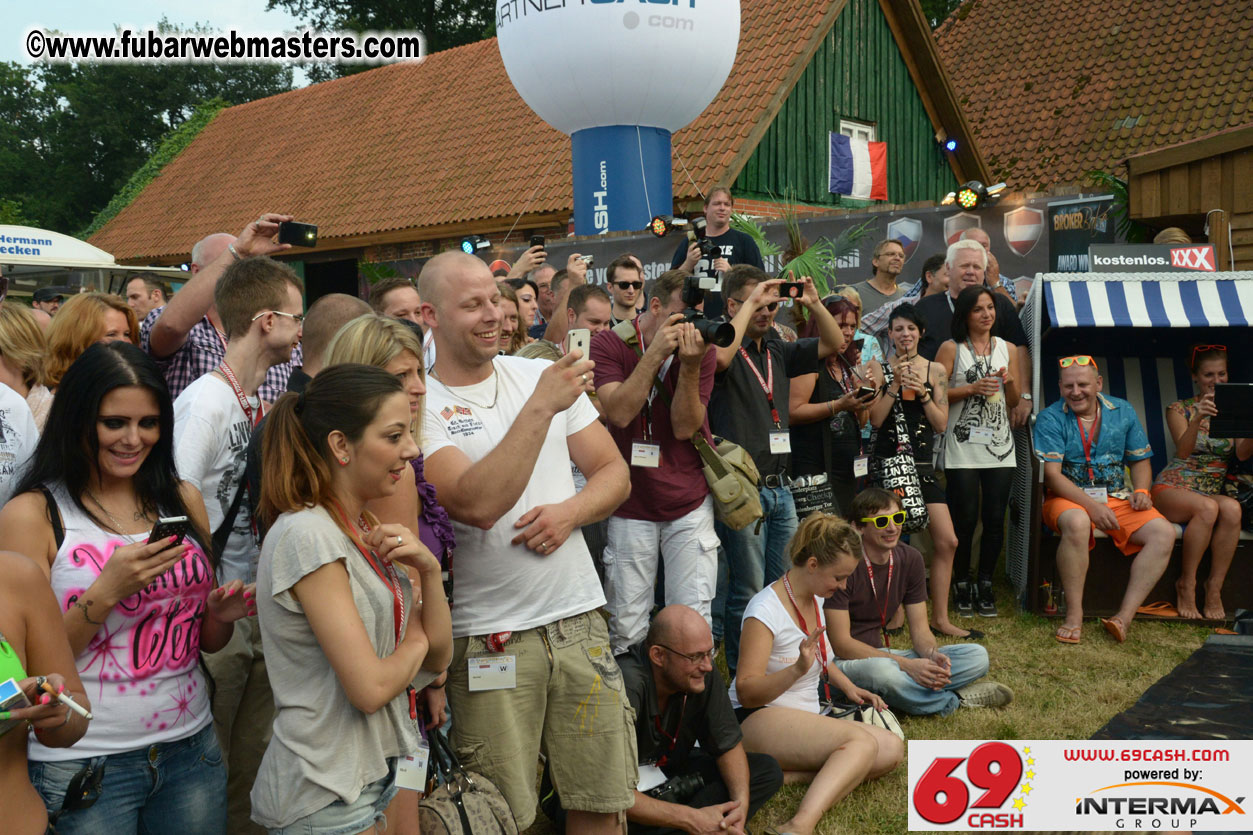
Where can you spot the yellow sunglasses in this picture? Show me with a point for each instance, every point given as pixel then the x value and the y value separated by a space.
pixel 881 521
pixel 1084 359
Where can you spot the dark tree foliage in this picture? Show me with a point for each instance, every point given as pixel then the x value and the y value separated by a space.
pixel 444 23
pixel 937 10
pixel 72 134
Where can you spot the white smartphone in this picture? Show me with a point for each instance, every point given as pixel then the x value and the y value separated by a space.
pixel 580 338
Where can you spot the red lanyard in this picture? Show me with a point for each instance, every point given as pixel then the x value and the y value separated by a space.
pixel 391 578
pixel 767 383
pixel 226 372
pixel 674 738
pixel 1088 439
pixel 883 610
pixel 822 643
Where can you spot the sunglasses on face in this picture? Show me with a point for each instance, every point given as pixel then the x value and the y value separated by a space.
pixel 629 285
pixel 772 306
pixel 1066 362
pixel 881 521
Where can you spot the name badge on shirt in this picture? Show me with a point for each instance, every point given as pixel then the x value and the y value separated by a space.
pixel 780 442
pixel 411 769
pixel 861 466
pixel 492 672
pixel 981 435
pixel 1097 494
pixel 645 454
pixel 650 777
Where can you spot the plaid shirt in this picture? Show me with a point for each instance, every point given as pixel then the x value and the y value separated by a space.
pixel 204 351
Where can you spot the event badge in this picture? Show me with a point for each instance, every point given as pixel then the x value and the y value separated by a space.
pixel 981 435
pixel 861 466
pixel 493 672
pixel 650 777
pixel 644 454
pixel 411 769
pixel 1097 494
pixel 780 443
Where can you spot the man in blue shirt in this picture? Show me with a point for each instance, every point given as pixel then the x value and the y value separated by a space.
pixel 1084 441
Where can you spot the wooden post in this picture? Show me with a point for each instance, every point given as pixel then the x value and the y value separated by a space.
pixel 1220 237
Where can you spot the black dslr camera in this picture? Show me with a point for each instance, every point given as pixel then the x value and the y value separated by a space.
pixel 678 789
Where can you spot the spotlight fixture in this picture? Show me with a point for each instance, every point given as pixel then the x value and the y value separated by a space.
pixel 950 145
pixel 663 225
pixel 471 244
pixel 973 194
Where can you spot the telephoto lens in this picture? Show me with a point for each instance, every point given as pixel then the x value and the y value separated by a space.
pixel 678 789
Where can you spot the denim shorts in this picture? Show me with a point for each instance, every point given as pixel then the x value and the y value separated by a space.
pixel 342 818
pixel 144 790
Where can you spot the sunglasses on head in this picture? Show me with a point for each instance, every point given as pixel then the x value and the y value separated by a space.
pixel 881 521
pixel 1084 359
pixel 629 285
pixel 1199 349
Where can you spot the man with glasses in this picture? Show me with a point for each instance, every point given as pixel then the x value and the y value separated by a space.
pixel 749 406
pixel 259 302
pixel 625 278
pixel 186 337
pixel 654 378
pixel 680 699
pixel 1086 440
pixel 927 678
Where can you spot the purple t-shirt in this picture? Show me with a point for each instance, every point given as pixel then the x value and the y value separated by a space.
pixel 677 487
pixel 866 616
pixel 434 527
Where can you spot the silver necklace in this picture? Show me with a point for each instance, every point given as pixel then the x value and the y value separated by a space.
pixel 117 526
pixel 459 395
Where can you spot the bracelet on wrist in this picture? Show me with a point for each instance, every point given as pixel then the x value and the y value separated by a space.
pixel 1141 490
pixel 234 252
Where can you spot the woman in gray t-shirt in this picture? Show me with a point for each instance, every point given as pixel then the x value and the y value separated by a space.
pixel 336 604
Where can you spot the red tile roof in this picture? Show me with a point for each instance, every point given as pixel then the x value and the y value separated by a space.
pixel 1053 89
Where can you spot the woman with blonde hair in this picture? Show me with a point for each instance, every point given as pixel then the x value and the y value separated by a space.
pixel 22 349
pixel 82 321
pixel 784 657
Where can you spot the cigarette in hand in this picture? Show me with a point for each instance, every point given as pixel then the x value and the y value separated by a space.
pixel 64 698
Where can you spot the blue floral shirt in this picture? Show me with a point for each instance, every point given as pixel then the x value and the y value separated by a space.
pixel 1121 440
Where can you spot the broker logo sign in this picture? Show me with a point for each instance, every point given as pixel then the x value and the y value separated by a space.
pixel 1193 258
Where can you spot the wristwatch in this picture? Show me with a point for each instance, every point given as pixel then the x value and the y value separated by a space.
pixel 1026 396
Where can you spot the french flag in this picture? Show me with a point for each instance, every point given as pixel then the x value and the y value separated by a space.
pixel 858 168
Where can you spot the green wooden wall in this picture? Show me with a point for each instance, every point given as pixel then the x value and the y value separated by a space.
pixel 857 73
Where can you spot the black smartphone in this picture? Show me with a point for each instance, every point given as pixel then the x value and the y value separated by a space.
pixel 791 290
pixel 168 526
pixel 866 391
pixel 297 234
pixel 537 240
pixel 859 344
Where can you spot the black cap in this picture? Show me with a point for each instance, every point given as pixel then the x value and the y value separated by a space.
pixel 47 294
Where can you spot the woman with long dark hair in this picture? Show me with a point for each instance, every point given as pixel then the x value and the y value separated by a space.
pixel 346 632
pixel 982 373
pixel 827 413
pixel 137 614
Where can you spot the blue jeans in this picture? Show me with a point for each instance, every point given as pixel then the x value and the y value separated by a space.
pixel 340 818
pixel 902 693
pixel 172 786
pixel 754 558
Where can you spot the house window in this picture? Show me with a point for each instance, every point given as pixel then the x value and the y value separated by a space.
pixel 857 130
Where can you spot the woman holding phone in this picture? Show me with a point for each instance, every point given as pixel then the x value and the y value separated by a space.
pixel 347 633
pixel 982 373
pixel 827 411
pixel 137 613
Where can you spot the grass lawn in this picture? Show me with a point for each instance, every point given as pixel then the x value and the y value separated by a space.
pixel 1060 692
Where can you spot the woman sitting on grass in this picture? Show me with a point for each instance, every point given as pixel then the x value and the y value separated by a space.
pixel 784 655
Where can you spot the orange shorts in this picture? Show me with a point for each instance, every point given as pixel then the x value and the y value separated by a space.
pixel 1129 521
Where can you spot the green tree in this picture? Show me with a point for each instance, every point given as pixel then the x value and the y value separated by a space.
pixel 937 10
pixel 71 135
pixel 443 23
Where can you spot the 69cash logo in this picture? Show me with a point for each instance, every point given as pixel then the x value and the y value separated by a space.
pixel 987 790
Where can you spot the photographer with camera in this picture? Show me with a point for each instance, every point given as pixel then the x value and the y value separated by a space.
pixel 734 247
pixel 750 407
pixel 654 378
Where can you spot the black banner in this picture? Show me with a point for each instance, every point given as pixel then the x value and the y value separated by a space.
pixel 1074 225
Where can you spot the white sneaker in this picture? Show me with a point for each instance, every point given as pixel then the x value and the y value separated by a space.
pixel 985 694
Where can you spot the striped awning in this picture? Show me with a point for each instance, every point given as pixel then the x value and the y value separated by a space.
pixel 1149 300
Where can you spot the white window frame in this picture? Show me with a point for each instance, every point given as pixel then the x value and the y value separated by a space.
pixel 857 130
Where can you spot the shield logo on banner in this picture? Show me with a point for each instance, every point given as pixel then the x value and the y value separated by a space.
pixel 1023 228
pixel 958 223
pixel 908 231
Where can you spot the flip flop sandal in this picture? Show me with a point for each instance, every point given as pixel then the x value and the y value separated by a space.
pixel 1116 628
pixel 1068 634
pixel 1161 609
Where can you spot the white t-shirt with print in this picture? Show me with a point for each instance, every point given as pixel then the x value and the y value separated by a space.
pixel 765 606
pixel 19 435
pixel 211 432
pixel 500 586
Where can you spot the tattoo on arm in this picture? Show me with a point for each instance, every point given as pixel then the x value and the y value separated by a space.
pixel 940 391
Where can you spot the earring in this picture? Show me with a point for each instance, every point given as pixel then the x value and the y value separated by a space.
pixel 343 462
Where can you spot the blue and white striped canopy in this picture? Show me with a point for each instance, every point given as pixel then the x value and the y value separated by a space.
pixel 1143 300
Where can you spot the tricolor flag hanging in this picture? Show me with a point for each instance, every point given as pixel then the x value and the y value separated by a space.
pixel 858 168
